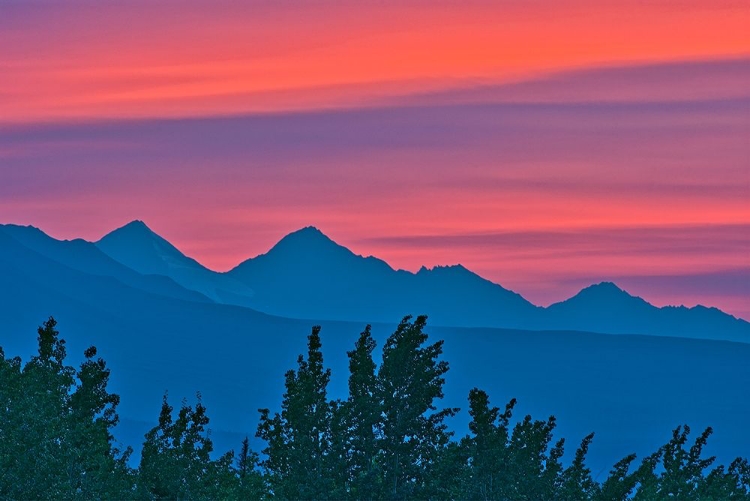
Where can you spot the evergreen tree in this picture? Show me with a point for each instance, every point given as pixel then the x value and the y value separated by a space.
pixel 620 484
pixel 101 470
pixel 576 481
pixel 12 454
pixel 489 470
pixel 363 422
pixel 338 461
pixel 683 475
pixel 730 484
pixel 410 379
pixel 247 482
pixel 176 462
pixel 534 468
pixel 387 440
pixel 55 424
pixel 299 438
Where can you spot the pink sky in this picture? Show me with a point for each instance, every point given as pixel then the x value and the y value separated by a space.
pixel 545 145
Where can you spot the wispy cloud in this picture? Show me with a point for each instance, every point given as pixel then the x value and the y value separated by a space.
pixel 82 59
pixel 538 192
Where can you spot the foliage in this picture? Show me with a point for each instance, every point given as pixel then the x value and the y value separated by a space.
pixel 386 440
pixel 55 423
pixel 299 439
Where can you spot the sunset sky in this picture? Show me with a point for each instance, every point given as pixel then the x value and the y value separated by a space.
pixel 544 144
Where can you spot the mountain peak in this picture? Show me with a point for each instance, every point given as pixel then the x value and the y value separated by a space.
pixel 603 294
pixel 134 227
pixel 604 287
pixel 603 291
pixel 451 269
pixel 308 232
pixel 305 239
pixel 140 248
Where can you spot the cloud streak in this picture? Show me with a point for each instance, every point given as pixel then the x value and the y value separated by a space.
pixel 82 59
pixel 533 185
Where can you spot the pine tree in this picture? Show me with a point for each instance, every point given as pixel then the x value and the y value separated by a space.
pixel 683 474
pixel 534 467
pixel 99 468
pixel 683 469
pixel 576 482
pixel 363 421
pixel 732 483
pixel 12 459
pixel 299 438
pixel 55 427
pixel 176 458
pixel 409 380
pixel 489 472
pixel 248 482
pixel 620 484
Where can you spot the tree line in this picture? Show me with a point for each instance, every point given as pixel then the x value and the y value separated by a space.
pixel 388 440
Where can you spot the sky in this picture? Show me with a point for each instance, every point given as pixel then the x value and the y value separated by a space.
pixel 545 145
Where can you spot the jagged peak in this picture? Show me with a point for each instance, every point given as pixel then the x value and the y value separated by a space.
pixel 13 225
pixel 309 232
pixel 450 268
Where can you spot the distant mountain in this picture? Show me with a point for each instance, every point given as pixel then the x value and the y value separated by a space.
pixel 308 275
pixel 156 336
pixel 607 308
pixel 31 250
pixel 139 248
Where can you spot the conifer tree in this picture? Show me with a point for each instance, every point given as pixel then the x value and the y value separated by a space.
pixel 338 462
pixel 176 458
pixel 576 481
pixel 55 427
pixel 299 438
pixel 363 410
pixel 246 481
pixel 534 467
pixel 489 472
pixel 620 484
pixel 410 379
pixel 683 474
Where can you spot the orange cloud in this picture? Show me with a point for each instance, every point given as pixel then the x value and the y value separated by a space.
pixel 137 59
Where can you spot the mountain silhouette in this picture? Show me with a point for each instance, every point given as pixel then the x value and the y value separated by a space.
pixel 606 306
pixel 144 250
pixel 307 275
pixel 21 244
pixel 156 335
pixel 135 245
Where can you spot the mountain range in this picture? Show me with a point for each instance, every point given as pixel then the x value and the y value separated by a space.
pixel 164 323
pixel 307 275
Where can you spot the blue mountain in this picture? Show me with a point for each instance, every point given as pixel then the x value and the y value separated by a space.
pixel 607 308
pixel 137 247
pixel 158 336
pixel 20 244
pixel 308 275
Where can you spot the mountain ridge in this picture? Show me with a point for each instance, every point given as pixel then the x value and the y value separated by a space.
pixel 306 274
pixel 137 246
pixel 155 341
